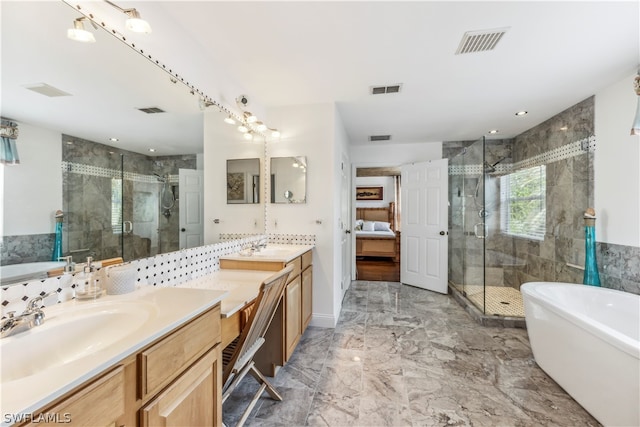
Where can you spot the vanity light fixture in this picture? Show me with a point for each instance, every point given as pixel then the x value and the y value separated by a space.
pixel 204 103
pixel 134 22
pixel 250 117
pixel 243 129
pixel 79 34
pixel 635 128
pixel 275 133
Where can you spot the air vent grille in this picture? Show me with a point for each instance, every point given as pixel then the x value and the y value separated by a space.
pixel 379 138
pixel 379 90
pixel 480 41
pixel 46 90
pixel 151 110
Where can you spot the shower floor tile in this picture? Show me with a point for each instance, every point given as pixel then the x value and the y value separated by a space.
pixel 498 300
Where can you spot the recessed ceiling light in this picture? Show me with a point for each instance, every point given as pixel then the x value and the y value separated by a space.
pixel 153 150
pixel 114 139
pixel 493 131
pixel 521 113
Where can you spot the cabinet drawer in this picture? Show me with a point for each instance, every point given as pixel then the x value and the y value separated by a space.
pixel 162 362
pixel 297 268
pixel 100 403
pixel 307 259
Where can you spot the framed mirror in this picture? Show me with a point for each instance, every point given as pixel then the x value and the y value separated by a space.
pixel 243 181
pixel 108 150
pixel 289 180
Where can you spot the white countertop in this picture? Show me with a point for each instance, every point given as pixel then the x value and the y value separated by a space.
pixel 241 286
pixel 272 253
pixel 163 309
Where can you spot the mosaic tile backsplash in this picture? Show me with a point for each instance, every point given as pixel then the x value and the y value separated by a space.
pixel 170 269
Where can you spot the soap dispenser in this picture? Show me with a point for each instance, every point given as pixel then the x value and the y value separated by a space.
pixel 88 287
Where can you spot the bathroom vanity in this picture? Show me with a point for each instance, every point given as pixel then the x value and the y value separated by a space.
pixel 154 357
pixel 295 308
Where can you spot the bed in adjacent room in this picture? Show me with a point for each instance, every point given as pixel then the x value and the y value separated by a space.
pixel 376 234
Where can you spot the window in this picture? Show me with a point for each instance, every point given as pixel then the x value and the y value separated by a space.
pixel 522 203
pixel 116 205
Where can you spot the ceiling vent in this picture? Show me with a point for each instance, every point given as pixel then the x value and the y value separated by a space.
pixel 47 90
pixel 379 90
pixel 151 110
pixel 480 41
pixel 373 138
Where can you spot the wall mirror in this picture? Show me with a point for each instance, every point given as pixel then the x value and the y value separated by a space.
pixel 148 182
pixel 243 181
pixel 289 179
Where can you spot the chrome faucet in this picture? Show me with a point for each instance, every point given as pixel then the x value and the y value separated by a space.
pixel 31 317
pixel 260 244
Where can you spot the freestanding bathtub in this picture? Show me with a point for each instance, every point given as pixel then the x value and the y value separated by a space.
pixel 588 340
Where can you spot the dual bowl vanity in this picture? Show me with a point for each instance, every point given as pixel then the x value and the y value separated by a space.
pixel 147 357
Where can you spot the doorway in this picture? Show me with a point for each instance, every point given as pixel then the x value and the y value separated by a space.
pixel 377 223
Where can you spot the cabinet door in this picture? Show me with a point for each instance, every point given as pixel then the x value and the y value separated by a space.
pixel 191 400
pixel 100 403
pixel 293 315
pixel 307 300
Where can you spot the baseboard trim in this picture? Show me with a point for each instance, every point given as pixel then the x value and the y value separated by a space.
pixel 323 321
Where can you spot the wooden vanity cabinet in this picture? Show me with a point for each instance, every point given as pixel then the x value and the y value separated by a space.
pixel 174 381
pixel 293 313
pixel 101 402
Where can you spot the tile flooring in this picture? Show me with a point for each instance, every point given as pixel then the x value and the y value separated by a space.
pixel 402 356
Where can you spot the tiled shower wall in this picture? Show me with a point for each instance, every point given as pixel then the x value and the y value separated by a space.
pixel 89 169
pixel 569 192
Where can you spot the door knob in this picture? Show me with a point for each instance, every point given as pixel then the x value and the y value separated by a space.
pixel 347 231
pixel 442 233
pixel 183 229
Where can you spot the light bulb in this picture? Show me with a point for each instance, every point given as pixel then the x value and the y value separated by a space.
pixel 243 129
pixel 248 136
pixel 229 120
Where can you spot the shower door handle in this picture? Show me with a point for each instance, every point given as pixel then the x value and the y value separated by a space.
pixel 127 227
pixel 475 230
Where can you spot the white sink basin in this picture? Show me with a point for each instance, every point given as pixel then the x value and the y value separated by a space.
pixel 272 252
pixel 69 335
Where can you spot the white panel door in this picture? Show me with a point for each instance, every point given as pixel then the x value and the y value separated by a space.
pixel 191 208
pixel 345 224
pixel 424 241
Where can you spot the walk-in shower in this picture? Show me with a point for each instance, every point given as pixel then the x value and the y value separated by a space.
pixel 515 217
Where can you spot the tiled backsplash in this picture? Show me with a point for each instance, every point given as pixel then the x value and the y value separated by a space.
pixel 170 269
pixel 619 267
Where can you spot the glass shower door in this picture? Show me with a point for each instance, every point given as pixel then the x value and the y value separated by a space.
pixel 91 188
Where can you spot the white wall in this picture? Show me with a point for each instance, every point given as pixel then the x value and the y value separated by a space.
pixel 223 142
pixel 388 190
pixel 617 165
pixel 33 189
pixel 308 130
pixel 395 154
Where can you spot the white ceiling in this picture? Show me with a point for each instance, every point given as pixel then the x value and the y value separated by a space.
pixel 553 55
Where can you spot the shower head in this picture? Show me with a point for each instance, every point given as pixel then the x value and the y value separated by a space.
pixel 492 168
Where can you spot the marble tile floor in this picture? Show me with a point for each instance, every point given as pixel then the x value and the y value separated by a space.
pixel 403 356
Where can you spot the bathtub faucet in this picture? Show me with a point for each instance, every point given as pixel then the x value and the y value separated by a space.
pixel 31 317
